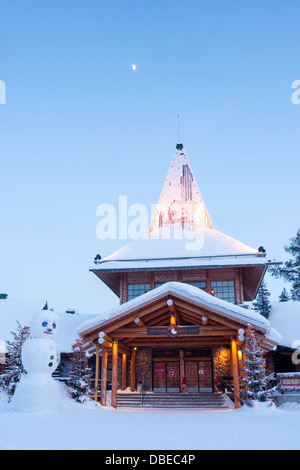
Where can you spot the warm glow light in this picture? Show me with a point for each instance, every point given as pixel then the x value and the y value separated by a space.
pixel 212 292
pixel 172 320
pixel 240 355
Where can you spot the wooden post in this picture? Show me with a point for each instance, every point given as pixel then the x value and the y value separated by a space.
pixel 235 373
pixel 103 376
pixel 132 382
pixel 96 374
pixel 124 371
pixel 114 379
pixel 182 389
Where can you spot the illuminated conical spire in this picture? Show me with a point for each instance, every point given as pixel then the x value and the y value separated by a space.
pixel 180 204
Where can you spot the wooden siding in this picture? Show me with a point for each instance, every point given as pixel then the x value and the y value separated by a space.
pixel 183 275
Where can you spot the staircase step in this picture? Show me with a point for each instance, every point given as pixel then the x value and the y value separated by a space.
pixel 175 400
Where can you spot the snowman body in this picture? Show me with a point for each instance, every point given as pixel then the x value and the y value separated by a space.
pixel 38 391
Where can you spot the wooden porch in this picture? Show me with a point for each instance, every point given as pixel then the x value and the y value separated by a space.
pixel 166 320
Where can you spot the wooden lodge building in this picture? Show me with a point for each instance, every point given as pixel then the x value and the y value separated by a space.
pixel 180 324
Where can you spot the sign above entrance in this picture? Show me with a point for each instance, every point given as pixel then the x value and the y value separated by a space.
pixel 166 278
pixel 193 277
pixel 172 330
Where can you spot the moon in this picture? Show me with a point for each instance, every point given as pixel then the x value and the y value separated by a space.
pixel 133 67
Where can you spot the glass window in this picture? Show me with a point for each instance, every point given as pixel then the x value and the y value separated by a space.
pixel 201 285
pixel 224 290
pixel 135 290
pixel 65 369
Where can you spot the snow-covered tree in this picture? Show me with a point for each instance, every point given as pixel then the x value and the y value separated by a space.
pixel 262 303
pixel 284 296
pixel 253 371
pixel 80 374
pixel 290 270
pixel 14 368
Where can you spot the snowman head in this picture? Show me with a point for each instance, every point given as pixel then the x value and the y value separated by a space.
pixel 44 324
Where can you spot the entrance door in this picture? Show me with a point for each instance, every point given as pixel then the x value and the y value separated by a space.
pixel 159 376
pixel 198 376
pixel 166 376
pixel 173 379
pixel 205 376
pixel 191 373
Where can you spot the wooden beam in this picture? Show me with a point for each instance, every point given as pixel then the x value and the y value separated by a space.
pixel 235 373
pixel 205 341
pixel 104 377
pixel 153 317
pixel 124 371
pixel 124 349
pixel 106 337
pixel 198 313
pixel 203 331
pixel 162 320
pixel 132 381
pixel 142 312
pixel 96 374
pixel 174 312
pixel 138 322
pixel 124 331
pixel 114 378
pixel 104 343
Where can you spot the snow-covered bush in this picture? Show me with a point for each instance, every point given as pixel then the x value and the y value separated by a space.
pixel 14 367
pixel 254 380
pixel 79 383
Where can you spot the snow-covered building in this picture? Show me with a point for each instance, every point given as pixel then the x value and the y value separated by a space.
pixel 182 289
pixel 285 318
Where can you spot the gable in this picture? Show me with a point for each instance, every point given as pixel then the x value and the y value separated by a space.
pixel 217 320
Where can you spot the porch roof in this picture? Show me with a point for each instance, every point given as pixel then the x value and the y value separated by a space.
pixel 192 303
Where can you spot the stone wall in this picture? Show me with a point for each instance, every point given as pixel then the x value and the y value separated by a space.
pixel 144 366
pixel 221 358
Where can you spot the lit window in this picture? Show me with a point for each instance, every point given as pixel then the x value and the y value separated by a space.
pixel 224 290
pixel 135 290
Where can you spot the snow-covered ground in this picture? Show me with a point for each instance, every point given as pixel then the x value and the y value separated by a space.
pixel 90 426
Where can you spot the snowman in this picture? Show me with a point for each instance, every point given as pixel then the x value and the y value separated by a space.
pixel 38 391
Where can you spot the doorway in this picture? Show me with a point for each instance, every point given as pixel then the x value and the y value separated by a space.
pixel 166 376
pixel 198 376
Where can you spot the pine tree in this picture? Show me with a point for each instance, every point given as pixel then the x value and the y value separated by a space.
pixel 80 375
pixel 262 303
pixel 14 368
pixel 253 371
pixel 290 271
pixel 284 296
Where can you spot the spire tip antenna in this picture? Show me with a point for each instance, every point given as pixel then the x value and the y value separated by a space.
pixel 179 130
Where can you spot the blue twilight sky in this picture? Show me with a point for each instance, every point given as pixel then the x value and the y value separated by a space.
pixel 80 127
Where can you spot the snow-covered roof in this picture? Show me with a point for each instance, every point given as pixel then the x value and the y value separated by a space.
pixel 188 292
pixel 13 310
pixel 164 248
pixel 285 318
